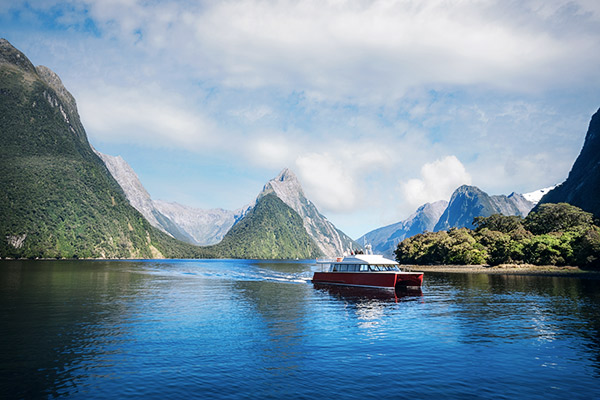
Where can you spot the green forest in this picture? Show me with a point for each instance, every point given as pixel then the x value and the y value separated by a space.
pixel 553 234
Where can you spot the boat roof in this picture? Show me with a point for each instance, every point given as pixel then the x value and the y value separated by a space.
pixel 361 259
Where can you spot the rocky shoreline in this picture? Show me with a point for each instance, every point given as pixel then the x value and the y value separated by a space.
pixel 509 269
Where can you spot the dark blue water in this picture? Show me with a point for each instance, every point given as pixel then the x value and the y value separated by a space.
pixel 244 329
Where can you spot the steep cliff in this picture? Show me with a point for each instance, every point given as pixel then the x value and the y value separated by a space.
pixel 582 187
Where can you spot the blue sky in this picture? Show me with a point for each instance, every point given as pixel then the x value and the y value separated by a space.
pixel 377 106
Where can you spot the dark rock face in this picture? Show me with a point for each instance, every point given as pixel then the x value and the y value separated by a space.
pixel 582 187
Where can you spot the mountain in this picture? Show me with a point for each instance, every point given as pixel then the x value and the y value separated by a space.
pixel 203 226
pixel 207 227
pixel 384 240
pixel 582 187
pixel 57 198
pixel 192 225
pixel 270 230
pixel 330 240
pixel 468 202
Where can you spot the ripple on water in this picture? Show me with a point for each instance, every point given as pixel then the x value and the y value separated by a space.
pixel 241 328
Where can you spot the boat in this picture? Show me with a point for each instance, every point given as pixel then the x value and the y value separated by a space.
pixel 366 270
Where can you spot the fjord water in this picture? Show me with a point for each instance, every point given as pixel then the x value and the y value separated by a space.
pixel 229 329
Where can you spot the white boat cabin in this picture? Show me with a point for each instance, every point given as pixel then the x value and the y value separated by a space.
pixel 359 263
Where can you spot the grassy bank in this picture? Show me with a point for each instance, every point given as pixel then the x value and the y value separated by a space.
pixel 509 269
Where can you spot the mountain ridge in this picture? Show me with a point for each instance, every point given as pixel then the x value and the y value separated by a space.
pixel 209 227
pixel 466 203
pixel 192 225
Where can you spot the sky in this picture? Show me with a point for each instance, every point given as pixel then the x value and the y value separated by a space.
pixel 377 106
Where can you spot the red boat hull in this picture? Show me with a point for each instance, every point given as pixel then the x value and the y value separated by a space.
pixel 379 279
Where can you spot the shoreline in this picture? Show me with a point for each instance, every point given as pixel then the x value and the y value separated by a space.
pixel 508 269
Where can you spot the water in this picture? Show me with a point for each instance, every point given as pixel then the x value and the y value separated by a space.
pixel 224 329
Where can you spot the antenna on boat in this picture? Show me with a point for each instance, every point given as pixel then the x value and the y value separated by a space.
pixel 367 246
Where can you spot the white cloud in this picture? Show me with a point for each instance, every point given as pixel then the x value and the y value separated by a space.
pixel 341 181
pixel 438 180
pixel 329 183
pixel 365 51
pixel 145 115
pixel 269 151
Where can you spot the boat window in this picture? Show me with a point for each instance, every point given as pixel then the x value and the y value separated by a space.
pixel 344 267
pixel 364 267
pixel 334 268
pixel 353 267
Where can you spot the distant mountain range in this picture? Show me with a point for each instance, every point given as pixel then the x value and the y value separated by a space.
pixel 582 187
pixel 207 227
pixel 384 240
pixel 192 225
pixel 466 203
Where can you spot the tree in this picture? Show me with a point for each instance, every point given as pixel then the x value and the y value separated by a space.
pixel 586 248
pixel 559 217
pixel 499 222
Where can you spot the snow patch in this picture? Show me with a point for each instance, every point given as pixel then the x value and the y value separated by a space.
pixel 537 195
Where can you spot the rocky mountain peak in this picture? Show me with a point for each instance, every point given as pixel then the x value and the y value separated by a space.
pixel 287 187
pixel 470 191
pixel 10 55
pixel 286 175
pixel 468 202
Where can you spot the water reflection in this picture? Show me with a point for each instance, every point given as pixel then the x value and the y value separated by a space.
pixel 66 314
pixel 234 328
pixel 361 294
pixel 547 311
